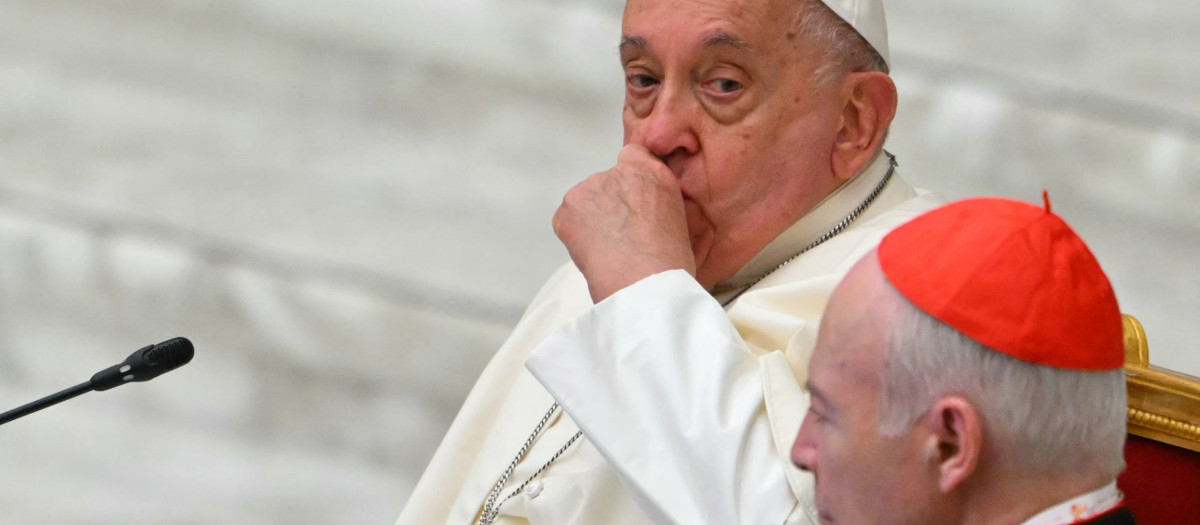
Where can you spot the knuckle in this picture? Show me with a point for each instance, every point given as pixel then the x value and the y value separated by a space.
pixel 574 196
pixel 556 222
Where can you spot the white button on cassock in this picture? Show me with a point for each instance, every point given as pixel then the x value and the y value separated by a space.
pixel 534 489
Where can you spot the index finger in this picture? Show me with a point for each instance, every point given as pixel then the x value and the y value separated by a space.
pixel 638 155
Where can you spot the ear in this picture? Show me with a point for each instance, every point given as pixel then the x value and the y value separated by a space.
pixel 869 104
pixel 955 446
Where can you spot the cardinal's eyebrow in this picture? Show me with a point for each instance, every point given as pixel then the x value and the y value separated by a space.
pixel 629 43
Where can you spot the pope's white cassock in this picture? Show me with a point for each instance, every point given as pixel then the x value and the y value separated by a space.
pixel 689 409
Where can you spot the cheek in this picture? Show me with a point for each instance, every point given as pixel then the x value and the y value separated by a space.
pixel 773 137
pixel 731 180
pixel 739 148
pixel 746 163
pixel 699 227
pixel 858 463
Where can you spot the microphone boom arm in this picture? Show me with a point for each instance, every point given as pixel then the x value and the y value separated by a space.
pixel 143 365
pixel 46 402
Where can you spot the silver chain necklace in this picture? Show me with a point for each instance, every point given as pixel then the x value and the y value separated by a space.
pixel 491 508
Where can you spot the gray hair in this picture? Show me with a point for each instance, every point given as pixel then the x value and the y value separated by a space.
pixel 846 51
pixel 1037 419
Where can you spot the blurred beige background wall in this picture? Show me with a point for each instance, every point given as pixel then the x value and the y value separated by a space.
pixel 346 205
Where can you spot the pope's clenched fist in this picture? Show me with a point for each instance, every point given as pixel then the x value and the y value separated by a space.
pixel 625 224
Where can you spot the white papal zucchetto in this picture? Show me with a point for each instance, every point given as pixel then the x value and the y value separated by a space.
pixel 866 17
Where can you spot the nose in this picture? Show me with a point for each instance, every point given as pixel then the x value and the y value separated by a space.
pixel 669 128
pixel 804 449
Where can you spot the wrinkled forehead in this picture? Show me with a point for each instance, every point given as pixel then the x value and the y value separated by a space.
pixel 750 19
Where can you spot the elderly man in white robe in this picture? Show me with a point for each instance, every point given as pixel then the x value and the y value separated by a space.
pixel 657 379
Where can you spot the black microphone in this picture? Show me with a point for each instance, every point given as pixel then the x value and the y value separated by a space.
pixel 145 364
pixel 142 365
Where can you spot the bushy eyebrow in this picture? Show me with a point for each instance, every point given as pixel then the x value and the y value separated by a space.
pixel 716 40
pixel 726 40
pixel 631 42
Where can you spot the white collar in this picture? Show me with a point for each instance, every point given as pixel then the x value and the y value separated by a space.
pixel 1080 508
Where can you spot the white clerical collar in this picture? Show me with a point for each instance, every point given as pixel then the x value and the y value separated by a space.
pixel 822 218
pixel 1080 508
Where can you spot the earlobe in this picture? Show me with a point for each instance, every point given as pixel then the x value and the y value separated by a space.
pixel 869 104
pixel 956 443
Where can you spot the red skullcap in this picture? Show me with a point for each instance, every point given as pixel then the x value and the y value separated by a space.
pixel 1011 276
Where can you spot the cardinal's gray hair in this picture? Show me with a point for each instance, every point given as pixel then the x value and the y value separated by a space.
pixel 1037 419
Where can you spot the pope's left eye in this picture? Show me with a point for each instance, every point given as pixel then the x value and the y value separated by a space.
pixel 725 85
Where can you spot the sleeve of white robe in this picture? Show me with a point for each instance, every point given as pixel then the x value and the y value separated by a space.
pixel 663 386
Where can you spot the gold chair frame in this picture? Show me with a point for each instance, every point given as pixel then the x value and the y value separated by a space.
pixel 1164 405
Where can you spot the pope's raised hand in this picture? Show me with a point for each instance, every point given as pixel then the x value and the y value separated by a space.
pixel 625 224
